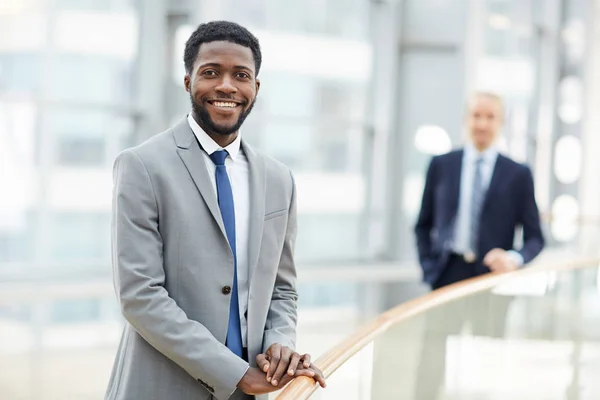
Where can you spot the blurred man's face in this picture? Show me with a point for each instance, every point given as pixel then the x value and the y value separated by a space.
pixel 484 120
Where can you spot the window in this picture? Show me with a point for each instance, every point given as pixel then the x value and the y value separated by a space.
pixel 341 100
pixel 80 310
pixel 80 237
pixel 344 18
pixel 20 73
pixel 73 151
pixel 288 94
pixel 17 240
pixel 90 78
pixel 87 137
pixel 93 5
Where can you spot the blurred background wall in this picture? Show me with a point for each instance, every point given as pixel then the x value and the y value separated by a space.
pixel 356 97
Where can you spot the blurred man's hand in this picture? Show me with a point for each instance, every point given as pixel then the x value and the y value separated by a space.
pixel 499 260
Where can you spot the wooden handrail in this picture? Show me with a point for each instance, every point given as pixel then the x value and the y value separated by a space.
pixel 303 387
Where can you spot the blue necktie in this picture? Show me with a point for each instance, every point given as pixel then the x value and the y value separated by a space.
pixel 476 202
pixel 225 196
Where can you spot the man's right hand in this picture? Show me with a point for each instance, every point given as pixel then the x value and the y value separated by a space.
pixel 254 382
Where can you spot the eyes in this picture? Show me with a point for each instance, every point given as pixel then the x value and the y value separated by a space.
pixel 240 75
pixel 487 116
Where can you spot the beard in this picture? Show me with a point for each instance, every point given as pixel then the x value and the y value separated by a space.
pixel 207 123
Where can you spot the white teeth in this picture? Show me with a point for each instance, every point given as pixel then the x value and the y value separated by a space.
pixel 224 104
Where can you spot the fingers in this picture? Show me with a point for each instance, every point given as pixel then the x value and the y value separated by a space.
pixel 262 362
pixel 313 372
pixel 494 263
pixel 319 377
pixel 274 353
pixel 499 261
pixel 306 360
pixel 497 265
pixel 504 266
pixel 294 361
pixel 285 379
pixel 282 366
pixel 492 257
pixel 305 372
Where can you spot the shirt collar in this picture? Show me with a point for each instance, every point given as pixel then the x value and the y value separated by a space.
pixel 489 155
pixel 209 145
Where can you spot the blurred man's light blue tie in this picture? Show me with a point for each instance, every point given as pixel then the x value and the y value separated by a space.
pixel 225 196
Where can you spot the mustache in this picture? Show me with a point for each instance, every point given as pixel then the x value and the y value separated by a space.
pixel 225 98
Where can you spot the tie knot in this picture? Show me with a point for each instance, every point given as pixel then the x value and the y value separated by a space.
pixel 479 161
pixel 219 156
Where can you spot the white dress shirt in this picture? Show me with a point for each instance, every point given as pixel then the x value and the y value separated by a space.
pixel 461 243
pixel 239 176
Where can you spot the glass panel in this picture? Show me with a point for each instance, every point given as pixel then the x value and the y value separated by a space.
pixel 42 341
pixel 346 18
pixel 17 241
pixel 70 311
pixel 20 73
pixel 79 237
pixel 80 152
pixel 534 336
pixel 94 5
pixel 86 137
pixel 90 79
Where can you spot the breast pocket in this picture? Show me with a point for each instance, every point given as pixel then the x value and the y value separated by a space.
pixel 275 214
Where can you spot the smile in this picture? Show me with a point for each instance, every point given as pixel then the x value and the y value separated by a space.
pixel 223 104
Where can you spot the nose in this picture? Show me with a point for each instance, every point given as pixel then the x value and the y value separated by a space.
pixel 482 123
pixel 226 86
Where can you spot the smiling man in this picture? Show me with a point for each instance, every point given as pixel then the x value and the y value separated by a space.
pixel 203 233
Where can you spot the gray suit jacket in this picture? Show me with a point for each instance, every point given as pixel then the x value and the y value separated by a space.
pixel 171 261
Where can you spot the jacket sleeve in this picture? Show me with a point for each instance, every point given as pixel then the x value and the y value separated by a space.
pixel 533 239
pixel 282 316
pixel 424 223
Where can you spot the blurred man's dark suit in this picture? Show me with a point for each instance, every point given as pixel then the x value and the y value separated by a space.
pixel 508 203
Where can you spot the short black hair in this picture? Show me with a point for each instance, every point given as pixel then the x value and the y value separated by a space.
pixel 220 31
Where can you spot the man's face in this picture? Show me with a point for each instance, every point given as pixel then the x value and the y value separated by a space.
pixel 484 120
pixel 222 86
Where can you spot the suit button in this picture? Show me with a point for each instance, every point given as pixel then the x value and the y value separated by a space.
pixel 226 289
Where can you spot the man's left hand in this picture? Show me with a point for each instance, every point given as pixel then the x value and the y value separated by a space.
pixel 279 360
pixel 498 260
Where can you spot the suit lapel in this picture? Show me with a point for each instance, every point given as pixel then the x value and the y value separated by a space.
pixel 190 153
pixel 257 205
pixel 455 178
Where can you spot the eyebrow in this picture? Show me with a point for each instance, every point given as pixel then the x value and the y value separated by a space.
pixel 217 65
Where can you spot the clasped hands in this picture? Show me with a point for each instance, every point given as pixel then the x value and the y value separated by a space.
pixel 276 368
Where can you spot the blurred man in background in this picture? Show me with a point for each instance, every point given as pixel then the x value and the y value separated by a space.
pixel 473 202
pixel 203 237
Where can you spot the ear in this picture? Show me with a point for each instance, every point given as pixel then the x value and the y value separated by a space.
pixel 257 86
pixel 187 81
